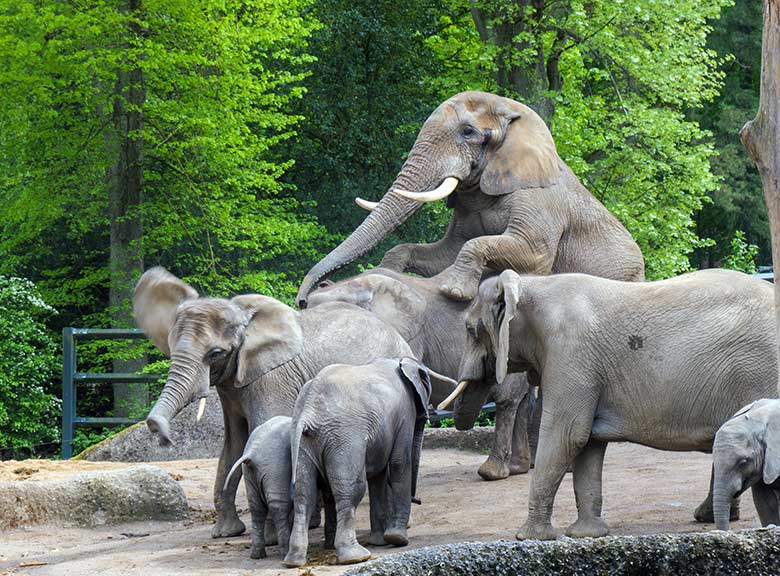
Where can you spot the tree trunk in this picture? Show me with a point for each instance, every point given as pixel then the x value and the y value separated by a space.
pixel 125 180
pixel 761 136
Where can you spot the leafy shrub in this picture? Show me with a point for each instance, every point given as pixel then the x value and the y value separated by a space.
pixel 29 364
pixel 743 254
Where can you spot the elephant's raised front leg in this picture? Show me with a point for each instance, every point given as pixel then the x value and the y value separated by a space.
pixel 588 466
pixel 424 259
pixel 508 397
pixel 525 255
pixel 228 522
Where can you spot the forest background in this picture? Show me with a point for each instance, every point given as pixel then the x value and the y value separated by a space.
pixel 227 139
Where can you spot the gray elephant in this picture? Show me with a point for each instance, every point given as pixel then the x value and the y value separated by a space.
pixel 256 351
pixel 267 469
pixel 746 454
pixel 662 364
pixel 352 424
pixel 516 205
pixel 432 324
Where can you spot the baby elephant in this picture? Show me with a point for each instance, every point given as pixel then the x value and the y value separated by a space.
pixel 267 470
pixel 353 423
pixel 746 454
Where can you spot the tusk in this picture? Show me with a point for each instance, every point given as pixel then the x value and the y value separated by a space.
pixel 365 204
pixel 201 409
pixel 455 393
pixel 445 189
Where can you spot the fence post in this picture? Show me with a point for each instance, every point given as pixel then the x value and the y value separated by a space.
pixel 68 391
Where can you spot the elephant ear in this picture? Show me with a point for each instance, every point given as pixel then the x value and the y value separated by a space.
pixel 416 375
pixel 272 337
pixel 155 300
pixel 504 310
pixel 526 158
pixel 772 452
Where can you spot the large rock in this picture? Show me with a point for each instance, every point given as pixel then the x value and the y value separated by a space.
pixel 93 498
pixel 750 552
pixel 204 439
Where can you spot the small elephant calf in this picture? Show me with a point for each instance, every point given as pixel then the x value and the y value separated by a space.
pixel 353 423
pixel 267 469
pixel 746 454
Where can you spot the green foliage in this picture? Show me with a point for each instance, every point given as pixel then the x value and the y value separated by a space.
pixel 742 256
pixel 28 365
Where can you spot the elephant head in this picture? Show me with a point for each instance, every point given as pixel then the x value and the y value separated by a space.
pixel 474 143
pixel 209 340
pixel 746 451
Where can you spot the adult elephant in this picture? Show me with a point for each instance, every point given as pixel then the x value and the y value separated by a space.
pixel 663 364
pixel 433 326
pixel 257 352
pixel 516 205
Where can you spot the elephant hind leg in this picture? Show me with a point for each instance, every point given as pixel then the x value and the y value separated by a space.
pixel 377 494
pixel 347 484
pixel 303 502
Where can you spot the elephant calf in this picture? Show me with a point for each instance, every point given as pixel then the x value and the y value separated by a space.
pixel 746 454
pixel 353 423
pixel 662 364
pixel 267 468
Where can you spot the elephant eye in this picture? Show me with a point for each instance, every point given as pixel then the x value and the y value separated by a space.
pixel 215 354
pixel 468 131
pixel 743 462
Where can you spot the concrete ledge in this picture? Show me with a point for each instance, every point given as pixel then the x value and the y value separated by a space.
pixel 750 552
pixel 93 499
pixel 478 439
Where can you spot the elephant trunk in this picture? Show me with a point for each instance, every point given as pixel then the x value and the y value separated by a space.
pixel 391 212
pixel 187 381
pixel 721 506
pixel 469 405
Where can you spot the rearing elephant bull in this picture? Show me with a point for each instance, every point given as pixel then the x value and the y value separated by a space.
pixel 515 204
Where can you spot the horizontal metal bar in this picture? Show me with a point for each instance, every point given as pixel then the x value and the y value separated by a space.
pixel 109 333
pixel 115 377
pixel 436 415
pixel 84 421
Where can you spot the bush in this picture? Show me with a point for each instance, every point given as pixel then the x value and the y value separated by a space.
pixel 743 254
pixel 29 365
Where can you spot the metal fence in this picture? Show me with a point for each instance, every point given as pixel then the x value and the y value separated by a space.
pixel 71 377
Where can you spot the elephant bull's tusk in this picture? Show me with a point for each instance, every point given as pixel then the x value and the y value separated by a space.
pixel 201 409
pixel 365 204
pixel 445 189
pixel 455 393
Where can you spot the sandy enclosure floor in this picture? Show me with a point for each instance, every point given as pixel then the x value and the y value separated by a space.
pixel 645 491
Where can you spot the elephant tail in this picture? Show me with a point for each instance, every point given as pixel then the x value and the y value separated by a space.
pixel 295 443
pixel 235 467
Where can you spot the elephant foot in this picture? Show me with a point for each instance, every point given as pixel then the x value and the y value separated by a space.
pixel 294 558
pixel 520 467
pixel 330 542
pixel 352 554
pixel 226 527
pixel 458 290
pixel 377 539
pixel 493 469
pixel 588 528
pixel 705 515
pixel 396 537
pixel 257 552
pixel 544 531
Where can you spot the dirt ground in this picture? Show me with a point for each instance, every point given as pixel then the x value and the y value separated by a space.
pixel 645 491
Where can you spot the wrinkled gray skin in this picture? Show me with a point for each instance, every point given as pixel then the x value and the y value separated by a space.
pixel 256 351
pixel 662 364
pixel 267 469
pixel 433 325
pixel 746 454
pixel 517 205
pixel 352 424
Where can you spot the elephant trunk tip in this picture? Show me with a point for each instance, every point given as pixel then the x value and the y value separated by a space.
pixel 162 428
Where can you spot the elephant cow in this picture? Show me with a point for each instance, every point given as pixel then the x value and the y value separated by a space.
pixel 516 205
pixel 258 353
pixel 662 364
pixel 434 327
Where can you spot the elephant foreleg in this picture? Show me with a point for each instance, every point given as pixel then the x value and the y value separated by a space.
pixel 521 459
pixel 765 500
pixel 526 255
pixel 424 259
pixel 228 522
pixel 588 466
pixel 509 395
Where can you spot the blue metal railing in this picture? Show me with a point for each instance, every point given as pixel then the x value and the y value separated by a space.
pixel 70 378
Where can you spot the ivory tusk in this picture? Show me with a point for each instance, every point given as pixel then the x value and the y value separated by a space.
pixel 455 393
pixel 445 189
pixel 201 409
pixel 365 204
